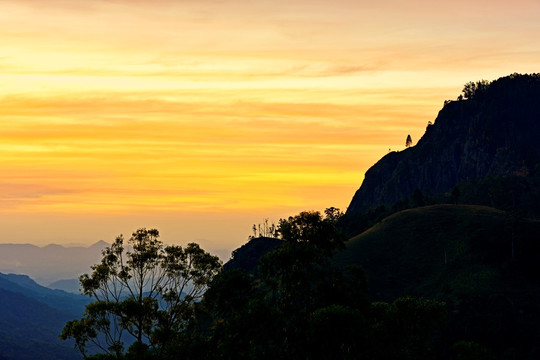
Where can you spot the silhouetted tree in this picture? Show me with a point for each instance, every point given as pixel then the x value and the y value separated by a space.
pixel 144 291
pixel 333 214
pixel 408 142
pixel 322 233
pixel 473 90
pixel 264 229
pixel 469 89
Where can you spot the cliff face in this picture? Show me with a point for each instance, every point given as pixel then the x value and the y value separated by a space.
pixel 495 133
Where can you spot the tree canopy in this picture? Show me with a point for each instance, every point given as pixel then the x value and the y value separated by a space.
pixel 143 295
pixel 473 89
pixel 320 231
pixel 300 305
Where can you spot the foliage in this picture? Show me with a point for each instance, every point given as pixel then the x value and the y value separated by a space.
pixel 282 314
pixel 409 328
pixel 320 232
pixel 144 292
pixel 475 90
pixel 300 306
pixel 338 332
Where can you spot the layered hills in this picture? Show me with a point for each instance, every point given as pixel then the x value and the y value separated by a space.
pixel 32 317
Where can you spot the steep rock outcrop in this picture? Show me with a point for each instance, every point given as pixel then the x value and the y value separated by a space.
pixel 495 133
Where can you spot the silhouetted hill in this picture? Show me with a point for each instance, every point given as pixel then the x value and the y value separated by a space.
pixel 493 134
pixel 248 255
pixel 436 250
pixel 29 329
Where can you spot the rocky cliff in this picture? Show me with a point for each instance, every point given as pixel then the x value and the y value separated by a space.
pixel 493 132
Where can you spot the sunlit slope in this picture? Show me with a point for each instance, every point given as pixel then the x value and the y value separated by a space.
pixel 445 251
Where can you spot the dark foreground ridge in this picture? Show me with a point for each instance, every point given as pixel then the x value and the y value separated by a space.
pixel 491 132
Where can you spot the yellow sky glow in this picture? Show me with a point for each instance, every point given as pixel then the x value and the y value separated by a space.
pixel 202 117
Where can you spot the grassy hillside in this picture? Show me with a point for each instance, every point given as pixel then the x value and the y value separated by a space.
pixel 482 262
pixel 441 250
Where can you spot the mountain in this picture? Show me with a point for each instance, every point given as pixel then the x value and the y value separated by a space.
pixel 493 133
pixel 49 263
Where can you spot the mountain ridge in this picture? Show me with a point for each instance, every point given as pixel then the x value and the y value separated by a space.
pixel 491 134
pixel 68 303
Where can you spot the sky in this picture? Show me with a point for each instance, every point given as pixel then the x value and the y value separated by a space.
pixel 202 117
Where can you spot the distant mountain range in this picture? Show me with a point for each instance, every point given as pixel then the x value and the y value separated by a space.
pixel 50 263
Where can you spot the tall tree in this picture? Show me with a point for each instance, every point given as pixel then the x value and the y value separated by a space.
pixel 144 291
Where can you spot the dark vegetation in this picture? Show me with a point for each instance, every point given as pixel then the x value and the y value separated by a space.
pixel 480 261
pixel 310 300
pixel 143 295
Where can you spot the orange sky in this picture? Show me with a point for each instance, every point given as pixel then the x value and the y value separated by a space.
pixel 203 117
